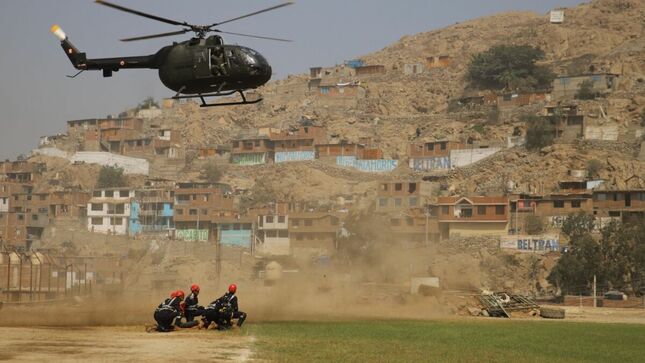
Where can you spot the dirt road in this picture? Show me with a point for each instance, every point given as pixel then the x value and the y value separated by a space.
pixel 123 344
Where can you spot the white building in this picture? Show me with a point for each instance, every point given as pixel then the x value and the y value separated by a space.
pixel 273 235
pixel 109 211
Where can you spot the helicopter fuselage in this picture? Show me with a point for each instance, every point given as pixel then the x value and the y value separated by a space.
pixel 193 67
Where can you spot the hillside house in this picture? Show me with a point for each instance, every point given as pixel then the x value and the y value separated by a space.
pixel 505 100
pixel 567 123
pixel 568 86
pixel 196 204
pixel 622 204
pixel 472 216
pixel 415 227
pixel 332 151
pixel 398 196
pixel 442 61
pixel 152 211
pixel 21 171
pixel 253 148
pixel 313 233
pixel 273 235
pixel 108 211
pixel 370 70
pixel 336 87
pixel 298 143
pixel 411 69
pixel 232 229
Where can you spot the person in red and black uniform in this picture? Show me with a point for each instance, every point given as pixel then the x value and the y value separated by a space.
pixel 168 311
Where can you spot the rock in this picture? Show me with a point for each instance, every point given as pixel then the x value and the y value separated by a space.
pixel 474 311
pixel 485 313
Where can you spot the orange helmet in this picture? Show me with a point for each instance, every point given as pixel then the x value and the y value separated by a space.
pixel 180 294
pixel 194 288
pixel 173 294
pixel 232 288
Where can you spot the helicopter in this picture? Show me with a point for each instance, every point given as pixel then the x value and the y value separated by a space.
pixel 201 67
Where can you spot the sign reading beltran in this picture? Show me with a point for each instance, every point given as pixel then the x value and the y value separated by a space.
pixel 537 244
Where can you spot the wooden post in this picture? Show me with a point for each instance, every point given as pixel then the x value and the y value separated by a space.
pixel 8 275
pixel 595 304
pixel 20 278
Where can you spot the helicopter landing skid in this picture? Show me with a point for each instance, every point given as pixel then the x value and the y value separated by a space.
pixel 203 97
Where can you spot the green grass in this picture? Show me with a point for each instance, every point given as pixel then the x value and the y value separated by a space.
pixel 448 341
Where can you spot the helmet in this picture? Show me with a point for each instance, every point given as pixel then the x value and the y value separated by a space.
pixel 173 294
pixel 232 288
pixel 194 288
pixel 180 294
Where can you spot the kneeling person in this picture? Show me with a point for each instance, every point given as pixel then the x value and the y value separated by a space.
pixel 168 311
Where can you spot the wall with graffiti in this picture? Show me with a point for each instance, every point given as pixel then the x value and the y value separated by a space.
pixel 371 166
pixel 285 156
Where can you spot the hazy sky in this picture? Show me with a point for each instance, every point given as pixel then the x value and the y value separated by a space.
pixel 36 98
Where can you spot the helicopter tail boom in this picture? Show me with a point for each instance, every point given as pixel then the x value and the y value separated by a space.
pixel 107 65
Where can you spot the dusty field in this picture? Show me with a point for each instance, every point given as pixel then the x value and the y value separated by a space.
pixel 123 344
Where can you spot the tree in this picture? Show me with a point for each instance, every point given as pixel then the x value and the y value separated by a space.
pixel 585 91
pixel 593 167
pixel 212 173
pixel 147 104
pixel 539 133
pixel 533 225
pixel 510 67
pixel 578 225
pixel 111 177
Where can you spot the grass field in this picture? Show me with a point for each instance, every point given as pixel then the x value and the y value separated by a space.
pixel 451 341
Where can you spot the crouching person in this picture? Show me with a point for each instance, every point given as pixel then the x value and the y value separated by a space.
pixel 193 309
pixel 169 311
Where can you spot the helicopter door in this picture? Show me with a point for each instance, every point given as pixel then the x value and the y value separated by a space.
pixel 201 63
pixel 219 62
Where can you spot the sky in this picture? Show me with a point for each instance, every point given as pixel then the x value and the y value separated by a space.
pixel 36 99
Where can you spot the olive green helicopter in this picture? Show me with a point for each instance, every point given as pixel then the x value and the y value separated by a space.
pixel 201 67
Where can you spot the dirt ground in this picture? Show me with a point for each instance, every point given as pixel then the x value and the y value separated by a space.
pixel 123 344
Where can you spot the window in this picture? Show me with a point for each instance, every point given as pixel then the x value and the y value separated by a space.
pixel 395 222
pixel 124 193
pixel 600 196
pixel 443 146
pixel 180 212
pixel 269 219
pixel 34 217
pixel 120 208
pixel 283 234
pixel 500 209
pixel 334 221
pixel 558 204
pixel 466 213
pixel 192 212
pixel 109 193
pixel 97 207
pixel 575 204
pixel 257 142
pixel 398 187
pixel 246 226
pixel 271 234
pixel 413 201
pixel 382 202
pixel 97 221
pixel 116 221
pixel 204 212
pixel 384 187
pixel 481 210
pixel 409 221
pixel 430 146
pixel 444 210
pixel 412 187
pixel 295 222
pixel 614 213
pixel 281 219
pixel 619 196
pixel 397 202
pixel 42 197
pixel 309 222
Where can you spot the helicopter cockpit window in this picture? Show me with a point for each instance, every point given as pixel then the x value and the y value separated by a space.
pixel 218 61
pixel 248 55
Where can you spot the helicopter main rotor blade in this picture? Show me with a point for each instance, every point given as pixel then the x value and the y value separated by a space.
pixel 136 12
pixel 156 35
pixel 252 36
pixel 254 13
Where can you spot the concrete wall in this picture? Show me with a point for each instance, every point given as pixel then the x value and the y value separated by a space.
pixel 191 234
pixel 50 151
pixel 478 229
pixel 607 133
pixel 275 246
pixel 249 159
pixel 536 244
pixel 460 158
pixel 106 225
pixel 424 164
pixel 285 156
pixel 241 238
pixel 641 156
pixel 129 165
pixel 372 166
pixel 513 141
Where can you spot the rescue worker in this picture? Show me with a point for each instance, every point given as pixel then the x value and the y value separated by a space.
pixel 223 310
pixel 168 311
pixel 192 308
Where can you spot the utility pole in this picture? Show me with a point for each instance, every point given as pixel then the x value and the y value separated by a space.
pixel 594 292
